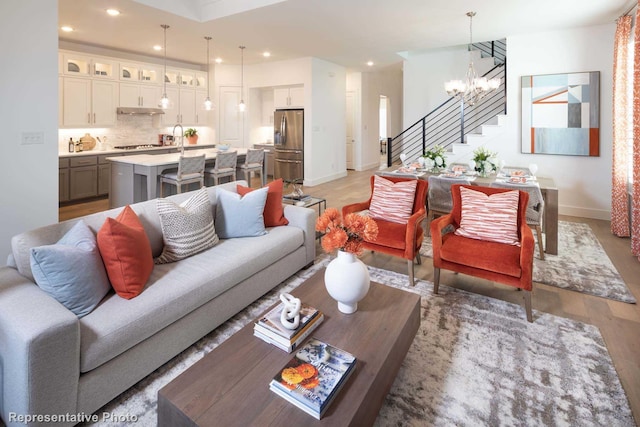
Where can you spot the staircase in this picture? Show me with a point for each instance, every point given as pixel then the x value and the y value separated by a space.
pixel 458 128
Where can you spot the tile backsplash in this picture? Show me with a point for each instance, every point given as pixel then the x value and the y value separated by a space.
pixel 129 130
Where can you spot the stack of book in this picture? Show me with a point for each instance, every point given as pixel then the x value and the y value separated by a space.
pixel 269 328
pixel 314 376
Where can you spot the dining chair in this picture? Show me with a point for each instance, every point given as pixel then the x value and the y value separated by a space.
pixel 254 161
pixel 190 170
pixel 439 201
pixel 224 166
pixel 535 208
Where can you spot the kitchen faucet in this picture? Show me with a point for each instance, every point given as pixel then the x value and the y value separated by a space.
pixel 173 134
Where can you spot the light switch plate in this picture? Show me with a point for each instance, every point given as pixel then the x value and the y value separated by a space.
pixel 31 138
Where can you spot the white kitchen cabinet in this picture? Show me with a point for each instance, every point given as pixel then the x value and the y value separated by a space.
pixel 267 108
pixel 136 72
pixel 288 97
pixel 201 80
pixel 202 115
pixel 87 102
pixel 182 107
pixel 83 65
pixel 171 77
pixel 138 95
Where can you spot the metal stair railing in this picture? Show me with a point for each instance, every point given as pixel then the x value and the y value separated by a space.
pixel 449 123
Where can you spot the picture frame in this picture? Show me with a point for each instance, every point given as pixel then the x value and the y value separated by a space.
pixel 561 114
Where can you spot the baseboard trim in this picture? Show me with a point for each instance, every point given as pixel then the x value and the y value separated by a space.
pixel 311 183
pixel 585 212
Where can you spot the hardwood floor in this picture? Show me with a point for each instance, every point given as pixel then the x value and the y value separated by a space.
pixel 618 322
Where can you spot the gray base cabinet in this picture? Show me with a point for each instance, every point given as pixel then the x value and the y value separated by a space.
pixel 63 185
pixel 83 182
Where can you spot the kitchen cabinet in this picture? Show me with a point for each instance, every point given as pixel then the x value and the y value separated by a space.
pixel 267 108
pixel 201 80
pixel 136 72
pixel 183 107
pixel 104 175
pixel 74 64
pixel 139 95
pixel 88 102
pixel 83 177
pixel 288 97
pixel 63 180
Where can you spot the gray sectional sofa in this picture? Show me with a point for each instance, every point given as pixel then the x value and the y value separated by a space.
pixel 54 363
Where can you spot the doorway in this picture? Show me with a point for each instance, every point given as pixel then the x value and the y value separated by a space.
pixel 383 131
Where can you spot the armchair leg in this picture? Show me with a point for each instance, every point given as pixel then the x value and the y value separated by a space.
pixel 418 259
pixel 527 305
pixel 411 273
pixel 539 235
pixel 436 280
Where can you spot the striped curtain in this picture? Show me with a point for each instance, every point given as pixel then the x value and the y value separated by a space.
pixel 620 167
pixel 635 216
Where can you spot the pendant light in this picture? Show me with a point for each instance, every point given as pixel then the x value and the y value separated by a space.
pixel 242 106
pixel 164 101
pixel 208 104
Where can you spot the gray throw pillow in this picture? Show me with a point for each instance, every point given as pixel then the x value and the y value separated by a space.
pixel 186 228
pixel 71 271
pixel 240 216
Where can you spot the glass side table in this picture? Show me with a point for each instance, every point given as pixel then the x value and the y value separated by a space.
pixel 310 202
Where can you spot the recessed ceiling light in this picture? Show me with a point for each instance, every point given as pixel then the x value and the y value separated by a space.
pixel 157 47
pixel 113 12
pixel 66 28
pixel 266 54
pixel 370 63
pixel 218 60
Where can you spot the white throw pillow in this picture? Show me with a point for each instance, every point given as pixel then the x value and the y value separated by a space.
pixel 186 228
pixel 240 216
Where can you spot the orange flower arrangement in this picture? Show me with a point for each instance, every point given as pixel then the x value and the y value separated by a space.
pixel 347 236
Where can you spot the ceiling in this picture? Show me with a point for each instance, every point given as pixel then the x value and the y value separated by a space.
pixel 345 32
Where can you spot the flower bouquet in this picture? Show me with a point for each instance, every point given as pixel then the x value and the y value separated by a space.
pixel 345 235
pixel 434 159
pixel 485 161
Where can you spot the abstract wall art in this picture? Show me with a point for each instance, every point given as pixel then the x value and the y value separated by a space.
pixel 561 114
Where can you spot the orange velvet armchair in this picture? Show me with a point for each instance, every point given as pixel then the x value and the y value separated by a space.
pixel 401 240
pixel 506 264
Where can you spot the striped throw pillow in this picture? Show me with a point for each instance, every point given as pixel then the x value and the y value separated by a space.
pixel 186 228
pixel 392 201
pixel 493 218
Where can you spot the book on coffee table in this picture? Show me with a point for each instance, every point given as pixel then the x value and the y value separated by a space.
pixel 314 376
pixel 292 343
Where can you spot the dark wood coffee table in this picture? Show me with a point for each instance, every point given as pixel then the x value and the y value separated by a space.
pixel 230 385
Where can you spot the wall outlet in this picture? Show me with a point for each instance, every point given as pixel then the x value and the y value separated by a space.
pixel 31 138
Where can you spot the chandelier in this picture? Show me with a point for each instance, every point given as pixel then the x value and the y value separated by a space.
pixel 474 88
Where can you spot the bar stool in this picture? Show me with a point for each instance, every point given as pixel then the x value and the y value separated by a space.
pixel 225 165
pixel 254 161
pixel 190 170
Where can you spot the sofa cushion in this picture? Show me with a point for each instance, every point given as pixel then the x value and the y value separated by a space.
pixel 392 201
pixel 71 271
pixel 240 216
pixel 273 210
pixel 489 256
pixel 126 253
pixel 186 228
pixel 492 218
pixel 176 289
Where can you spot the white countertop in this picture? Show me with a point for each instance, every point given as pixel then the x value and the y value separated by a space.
pixel 170 158
pixel 95 152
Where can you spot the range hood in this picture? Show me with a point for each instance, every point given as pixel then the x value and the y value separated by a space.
pixel 149 111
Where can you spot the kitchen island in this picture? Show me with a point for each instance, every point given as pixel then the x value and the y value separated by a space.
pixel 135 178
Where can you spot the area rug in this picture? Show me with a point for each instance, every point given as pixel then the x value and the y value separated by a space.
pixel 581 265
pixel 475 361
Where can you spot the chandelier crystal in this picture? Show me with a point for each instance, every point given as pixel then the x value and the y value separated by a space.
pixel 473 88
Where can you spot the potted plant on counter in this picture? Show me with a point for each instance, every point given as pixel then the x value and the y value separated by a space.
pixel 192 135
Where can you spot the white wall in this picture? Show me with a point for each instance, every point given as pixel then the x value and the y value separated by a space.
pixel 29 103
pixel 584 183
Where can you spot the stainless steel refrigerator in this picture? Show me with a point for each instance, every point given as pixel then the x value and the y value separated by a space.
pixel 288 141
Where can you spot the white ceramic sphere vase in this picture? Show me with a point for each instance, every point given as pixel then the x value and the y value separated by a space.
pixel 347 281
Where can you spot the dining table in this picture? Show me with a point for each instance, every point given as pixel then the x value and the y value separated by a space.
pixel 548 189
pixel 136 178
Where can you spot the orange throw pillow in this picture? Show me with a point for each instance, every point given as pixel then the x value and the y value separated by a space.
pixel 273 210
pixel 126 253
